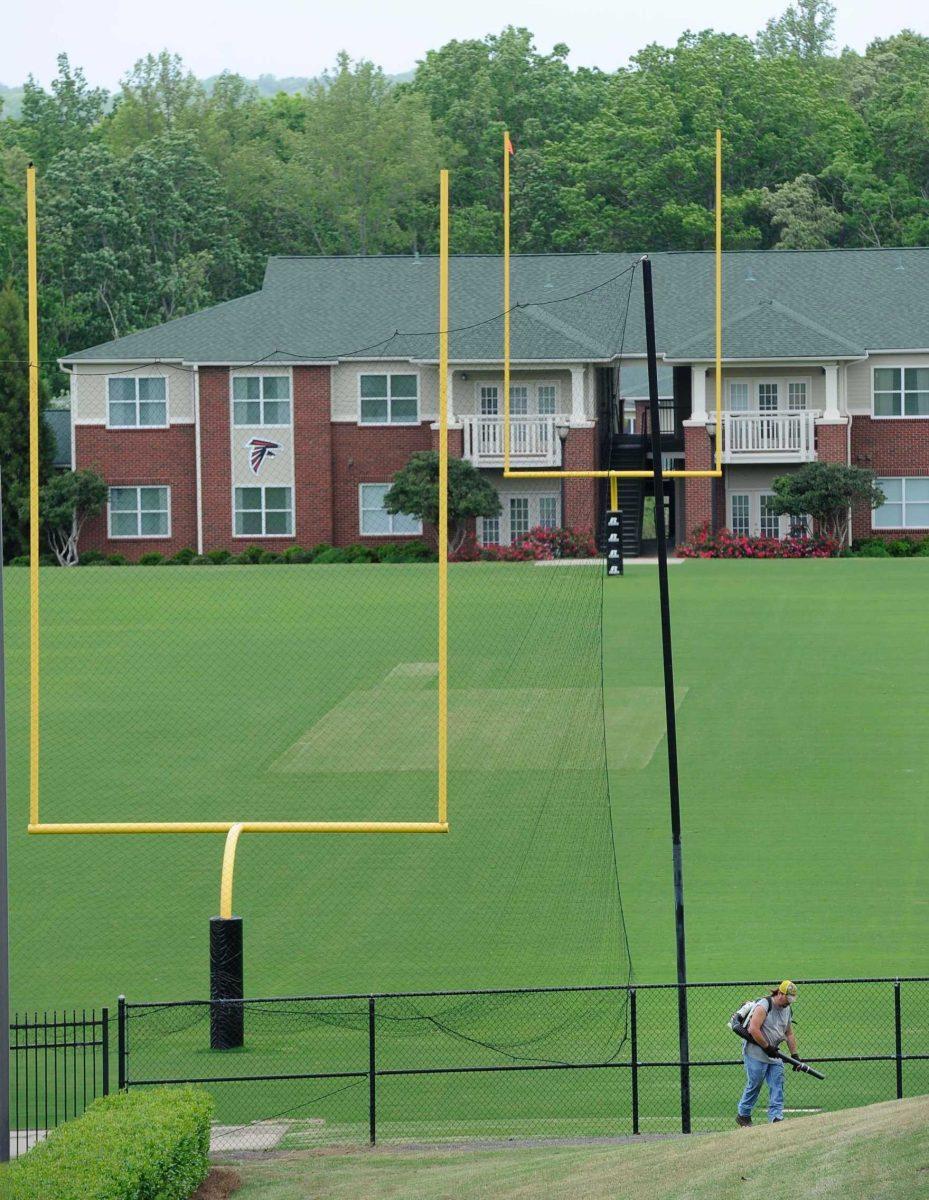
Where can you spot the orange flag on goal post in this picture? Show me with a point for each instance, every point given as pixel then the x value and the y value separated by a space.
pixel 508 144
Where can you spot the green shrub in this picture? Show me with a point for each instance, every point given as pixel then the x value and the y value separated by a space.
pixel 48 560
pixel 330 555
pixel 873 549
pixel 252 554
pixel 183 557
pixel 270 556
pixel 91 558
pixel 359 554
pixel 923 549
pixel 201 560
pixel 152 559
pixel 218 557
pixel 404 552
pixel 117 560
pixel 318 549
pixel 21 560
pixel 294 554
pixel 901 548
pixel 124 1147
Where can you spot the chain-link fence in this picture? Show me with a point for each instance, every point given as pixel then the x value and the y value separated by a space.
pixel 530 1063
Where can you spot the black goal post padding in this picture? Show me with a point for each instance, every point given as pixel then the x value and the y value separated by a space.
pixel 227 1020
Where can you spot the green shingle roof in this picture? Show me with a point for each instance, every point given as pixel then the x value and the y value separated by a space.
pixel 777 304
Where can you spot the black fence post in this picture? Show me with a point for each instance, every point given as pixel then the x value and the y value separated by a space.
pixel 635 1061
pixel 372 1076
pixel 121 1043
pixel 105 1049
pixel 898 1039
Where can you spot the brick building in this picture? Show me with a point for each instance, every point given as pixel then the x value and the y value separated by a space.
pixel 280 418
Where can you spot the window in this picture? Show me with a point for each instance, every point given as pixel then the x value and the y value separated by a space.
pixel 906 505
pixel 519 516
pixel 738 396
pixel 389 400
pixel 519 401
pixel 375 522
pixel 767 397
pixel 741 522
pixel 770 521
pixel 546 399
pixel 489 531
pixel 490 402
pixel 137 401
pixel 139 512
pixel 261 399
pixel 901 391
pixel 796 394
pixel 548 512
pixel 263 512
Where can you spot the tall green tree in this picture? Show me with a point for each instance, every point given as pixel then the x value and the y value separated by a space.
pixel 65 119
pixel 805 30
pixel 14 424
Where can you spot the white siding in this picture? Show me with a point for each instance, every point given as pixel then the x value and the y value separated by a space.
pixel 860 373
pixel 91 389
pixel 465 392
pixel 346 388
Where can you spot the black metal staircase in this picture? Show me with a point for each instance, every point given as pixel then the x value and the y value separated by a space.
pixel 627 453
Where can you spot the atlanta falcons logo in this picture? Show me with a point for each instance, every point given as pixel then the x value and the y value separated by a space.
pixel 259 450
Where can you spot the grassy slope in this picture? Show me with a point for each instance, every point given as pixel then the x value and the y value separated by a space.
pixel 872 1153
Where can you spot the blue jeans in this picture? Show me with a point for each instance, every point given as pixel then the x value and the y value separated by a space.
pixel 759 1072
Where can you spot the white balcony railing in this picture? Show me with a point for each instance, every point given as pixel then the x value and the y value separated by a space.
pixel 769 437
pixel 533 441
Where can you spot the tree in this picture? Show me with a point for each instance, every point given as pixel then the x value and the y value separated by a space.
pixel 415 491
pixel 65 120
pixel 798 209
pixel 66 501
pixel 826 492
pixel 14 424
pixel 806 31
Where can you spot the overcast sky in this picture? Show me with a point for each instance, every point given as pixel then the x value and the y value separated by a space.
pixel 290 37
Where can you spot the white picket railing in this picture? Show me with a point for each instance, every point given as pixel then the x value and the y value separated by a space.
pixel 769 437
pixel 532 440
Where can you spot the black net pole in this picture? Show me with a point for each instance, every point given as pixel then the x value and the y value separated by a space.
pixel 670 716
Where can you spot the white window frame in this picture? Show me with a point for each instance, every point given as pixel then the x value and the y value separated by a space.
pixel 902 367
pixel 263 487
pixel 137 487
pixel 261 401
pixel 488 400
pixel 532 385
pixel 782 382
pixel 391 532
pixel 388 424
pixel 503 520
pixel 136 378
pixel 890 528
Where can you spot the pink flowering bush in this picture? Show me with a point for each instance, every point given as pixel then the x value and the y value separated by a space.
pixel 538 544
pixel 704 543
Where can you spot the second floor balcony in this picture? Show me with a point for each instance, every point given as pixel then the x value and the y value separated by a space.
pixel 535 441
pixel 759 437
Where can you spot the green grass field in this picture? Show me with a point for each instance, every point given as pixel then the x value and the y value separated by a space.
pixel 228 693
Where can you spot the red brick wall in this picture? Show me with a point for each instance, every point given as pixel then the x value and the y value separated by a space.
pixel 363 454
pixel 698 493
pixel 580 495
pixel 312 461
pixel 133 457
pixel 832 443
pixel 897 447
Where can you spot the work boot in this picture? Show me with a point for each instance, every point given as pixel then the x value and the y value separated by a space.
pixel 743 1121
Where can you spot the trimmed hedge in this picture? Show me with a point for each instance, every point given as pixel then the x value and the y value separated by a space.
pixel 131 1146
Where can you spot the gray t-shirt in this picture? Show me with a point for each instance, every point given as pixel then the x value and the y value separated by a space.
pixel 773 1029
